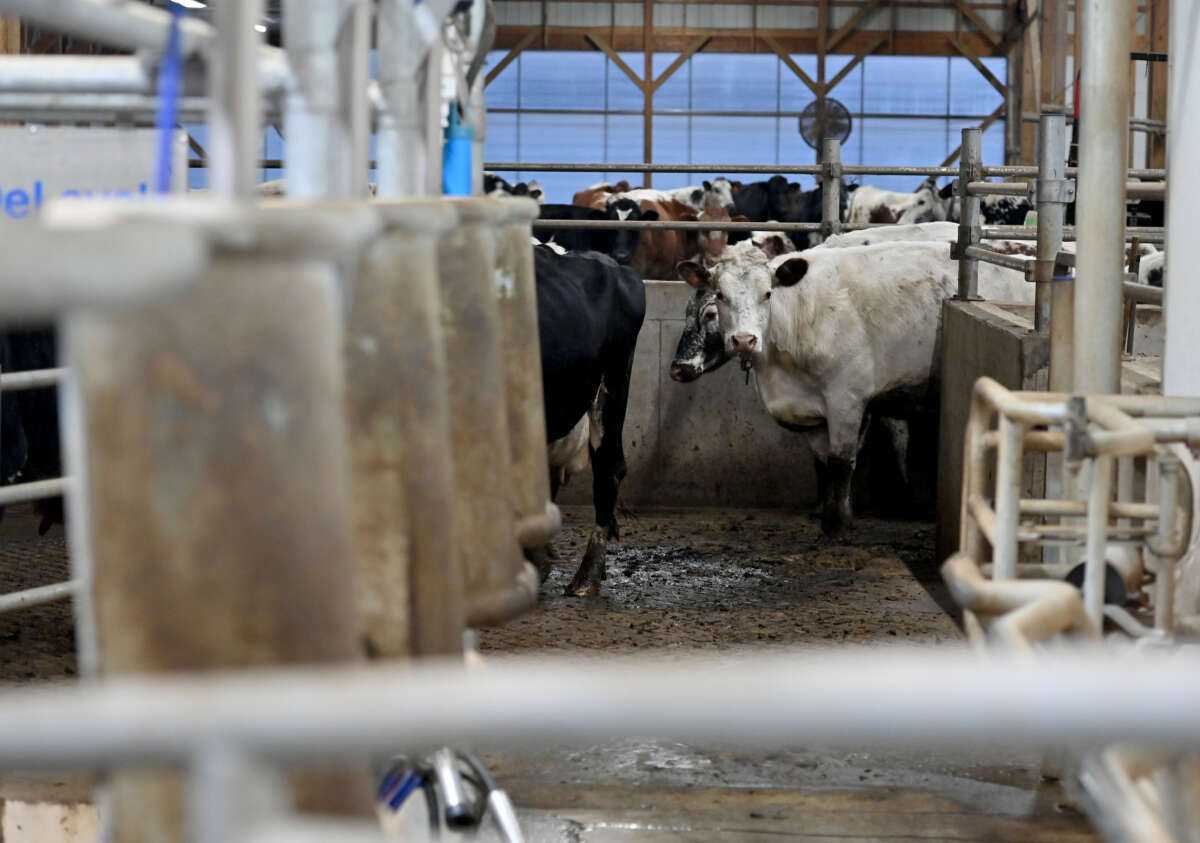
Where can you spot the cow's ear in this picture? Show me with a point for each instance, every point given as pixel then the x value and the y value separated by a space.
pixel 947 191
pixel 693 273
pixel 621 187
pixel 790 272
pixel 775 245
pixel 649 215
pixel 706 185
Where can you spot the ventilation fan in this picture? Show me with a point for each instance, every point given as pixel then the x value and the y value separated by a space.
pixel 823 119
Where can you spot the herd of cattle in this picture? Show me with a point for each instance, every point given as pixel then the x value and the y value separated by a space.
pixel 836 333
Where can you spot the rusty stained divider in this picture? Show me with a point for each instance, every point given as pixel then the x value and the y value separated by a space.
pixel 409 586
pixel 499 583
pixel 215 485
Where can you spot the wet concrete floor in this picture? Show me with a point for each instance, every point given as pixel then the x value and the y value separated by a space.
pixel 723 580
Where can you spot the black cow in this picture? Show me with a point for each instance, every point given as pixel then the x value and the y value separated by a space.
pixel 29 441
pixel 590 311
pixel 806 207
pixel 619 244
pixel 782 201
pixel 764 200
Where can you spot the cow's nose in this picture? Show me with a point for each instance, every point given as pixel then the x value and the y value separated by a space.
pixel 683 372
pixel 744 342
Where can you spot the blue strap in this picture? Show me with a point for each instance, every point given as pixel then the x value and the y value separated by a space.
pixel 168 100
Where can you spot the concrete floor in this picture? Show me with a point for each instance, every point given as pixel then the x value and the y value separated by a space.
pixel 721 580
pixel 725 580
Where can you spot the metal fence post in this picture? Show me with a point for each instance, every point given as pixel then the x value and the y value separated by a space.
pixel 1055 307
pixel 1100 216
pixel 234 130
pixel 969 234
pixel 831 187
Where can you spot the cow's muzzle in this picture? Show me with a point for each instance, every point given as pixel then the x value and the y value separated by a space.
pixel 684 372
pixel 743 343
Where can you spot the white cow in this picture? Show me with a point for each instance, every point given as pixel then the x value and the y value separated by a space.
pixel 829 330
pixel 927 204
pixel 1001 284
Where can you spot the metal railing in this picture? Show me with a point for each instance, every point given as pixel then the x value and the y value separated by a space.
pixel 1091 432
pixel 33 491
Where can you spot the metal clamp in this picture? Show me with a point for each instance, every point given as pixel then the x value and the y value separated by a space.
pixel 1039 271
pixel 1078 442
pixel 1061 191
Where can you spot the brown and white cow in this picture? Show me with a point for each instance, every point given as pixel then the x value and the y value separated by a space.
pixel 598 195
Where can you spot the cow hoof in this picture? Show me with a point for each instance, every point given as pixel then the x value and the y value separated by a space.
pixel 833 525
pixel 583 589
pixel 542 560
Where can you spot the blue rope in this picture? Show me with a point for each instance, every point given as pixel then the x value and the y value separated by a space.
pixel 168 100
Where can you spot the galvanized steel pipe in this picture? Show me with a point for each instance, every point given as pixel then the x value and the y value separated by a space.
pixel 831 187
pixel 406 33
pixel 1100 205
pixel 1053 301
pixel 969 220
pixel 1181 375
pixel 234 128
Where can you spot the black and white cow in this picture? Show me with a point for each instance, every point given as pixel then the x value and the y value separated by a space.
pixel 590 310
pixel 29 439
pixel 494 185
pixel 927 204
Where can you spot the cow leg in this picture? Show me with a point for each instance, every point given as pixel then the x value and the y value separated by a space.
pixel 821 469
pixel 898 433
pixel 608 470
pixel 845 426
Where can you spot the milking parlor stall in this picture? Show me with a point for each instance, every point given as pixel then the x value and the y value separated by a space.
pixel 598 421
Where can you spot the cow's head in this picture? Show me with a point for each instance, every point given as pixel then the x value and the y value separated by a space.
pixel 742 286
pixel 624 242
pixel 713 243
pixel 927 205
pixel 780 198
pixel 719 192
pixel 701 347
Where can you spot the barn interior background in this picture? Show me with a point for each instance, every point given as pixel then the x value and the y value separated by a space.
pixel 260 574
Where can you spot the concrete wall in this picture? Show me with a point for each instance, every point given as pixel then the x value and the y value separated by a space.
pixel 707 443
pixel 981 339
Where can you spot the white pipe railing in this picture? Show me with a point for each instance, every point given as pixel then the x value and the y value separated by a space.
pixel 1091 436
pixel 134 26
pixel 856 697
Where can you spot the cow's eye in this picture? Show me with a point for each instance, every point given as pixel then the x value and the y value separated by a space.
pixel 767 296
pixel 710 316
pixel 720 296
